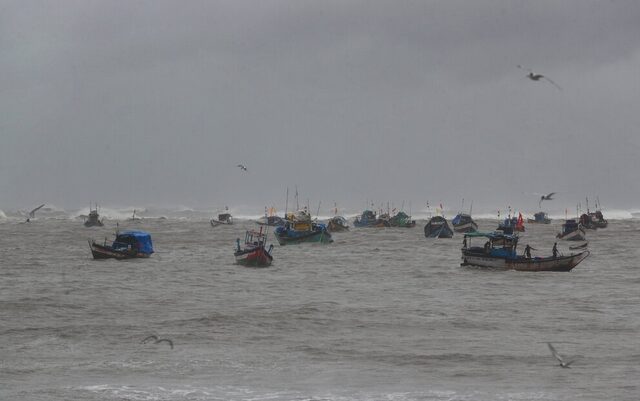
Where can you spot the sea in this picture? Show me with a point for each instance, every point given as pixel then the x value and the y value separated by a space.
pixel 379 314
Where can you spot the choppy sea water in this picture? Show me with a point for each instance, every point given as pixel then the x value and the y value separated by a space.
pixel 380 314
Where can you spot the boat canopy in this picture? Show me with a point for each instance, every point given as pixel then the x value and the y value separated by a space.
pixel 491 235
pixel 141 238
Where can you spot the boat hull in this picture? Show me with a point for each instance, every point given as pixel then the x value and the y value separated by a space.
pixel 257 257
pixel 89 223
pixel 576 235
pixel 106 252
pixel 216 223
pixel 465 227
pixel 559 264
pixel 533 221
pixel 322 237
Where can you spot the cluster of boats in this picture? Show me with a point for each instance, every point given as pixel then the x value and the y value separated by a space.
pixel 498 250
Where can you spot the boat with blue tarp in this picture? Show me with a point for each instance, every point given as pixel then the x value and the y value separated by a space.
pixel 463 223
pixel 368 218
pixel 127 245
pixel 437 227
pixel 299 228
pixel 499 251
pixel 572 231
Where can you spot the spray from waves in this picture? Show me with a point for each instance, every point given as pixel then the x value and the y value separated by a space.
pixel 2 215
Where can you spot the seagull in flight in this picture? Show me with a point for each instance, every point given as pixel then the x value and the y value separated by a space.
pixel 559 358
pixel 545 197
pixel 242 167
pixel 157 340
pixel 537 77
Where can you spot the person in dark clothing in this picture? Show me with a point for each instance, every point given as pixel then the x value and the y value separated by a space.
pixel 555 250
pixel 527 251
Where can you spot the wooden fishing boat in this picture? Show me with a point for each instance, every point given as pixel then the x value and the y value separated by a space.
pixel 93 220
pixel 499 252
pixel 127 245
pixel 572 231
pixel 368 218
pixel 437 227
pixel 540 218
pixel 223 219
pixel 401 219
pixel 299 228
pixel 337 224
pixel 598 220
pixel 272 221
pixel 463 223
pixel 511 224
pixel 254 252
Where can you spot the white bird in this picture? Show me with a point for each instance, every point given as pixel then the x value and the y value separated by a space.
pixel 537 77
pixel 157 340
pixel 242 167
pixel 559 358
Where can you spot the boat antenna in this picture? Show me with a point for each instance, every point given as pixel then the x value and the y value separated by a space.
pixel 598 205
pixel 587 199
pixel 318 213
pixel 409 208
pixel 286 203
pixel 471 208
pixel 462 207
pixel 297 203
pixel 402 208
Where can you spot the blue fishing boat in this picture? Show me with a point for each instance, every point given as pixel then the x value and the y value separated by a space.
pixel 463 223
pixel 127 245
pixel 368 218
pixel 299 228
pixel 540 218
pixel 437 227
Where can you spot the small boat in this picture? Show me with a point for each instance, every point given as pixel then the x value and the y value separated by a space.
pixel 223 218
pixel 272 221
pixel 463 223
pixel 540 218
pixel 368 218
pixel 597 219
pixel 337 224
pixel 437 227
pixel 587 222
pixel 133 216
pixel 511 224
pixel 299 228
pixel 127 245
pixel 572 231
pixel 401 219
pixel 499 252
pixel 254 252
pixel 93 220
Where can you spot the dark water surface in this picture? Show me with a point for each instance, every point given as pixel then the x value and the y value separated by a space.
pixel 381 314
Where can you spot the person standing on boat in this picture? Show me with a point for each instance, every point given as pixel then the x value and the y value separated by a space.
pixel 527 251
pixel 555 250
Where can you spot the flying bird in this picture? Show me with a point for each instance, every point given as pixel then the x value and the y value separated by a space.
pixel 157 340
pixel 537 77
pixel 242 167
pixel 545 197
pixel 559 358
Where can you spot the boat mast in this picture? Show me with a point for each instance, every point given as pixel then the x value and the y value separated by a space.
pixel 286 204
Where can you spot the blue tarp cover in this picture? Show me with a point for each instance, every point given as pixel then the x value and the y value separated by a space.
pixel 142 238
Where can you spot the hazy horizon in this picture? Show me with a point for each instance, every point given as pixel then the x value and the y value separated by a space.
pixel 156 102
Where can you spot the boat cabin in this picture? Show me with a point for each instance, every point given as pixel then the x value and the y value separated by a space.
pixel 496 244
pixel 128 240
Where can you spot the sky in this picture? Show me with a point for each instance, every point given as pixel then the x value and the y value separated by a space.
pixel 156 102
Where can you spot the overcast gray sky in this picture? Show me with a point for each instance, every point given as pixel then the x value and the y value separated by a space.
pixel 155 102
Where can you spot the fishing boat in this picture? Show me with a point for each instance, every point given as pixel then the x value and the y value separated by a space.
pixel 127 245
pixel 499 252
pixel 223 219
pixel 299 228
pixel 586 222
pixel 368 218
pixel 337 224
pixel 254 252
pixel 572 231
pixel 463 223
pixel 93 220
pixel 437 227
pixel 511 224
pixel 272 221
pixel 401 219
pixel 540 218
pixel 597 219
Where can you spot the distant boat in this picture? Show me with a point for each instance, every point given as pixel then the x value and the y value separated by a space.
pixel 254 252
pixel 463 223
pixel 337 224
pixel 368 218
pixel 93 220
pixel 127 245
pixel 499 251
pixel 511 224
pixel 540 218
pixel 437 227
pixel 401 219
pixel 598 220
pixel 299 228
pixel 223 218
pixel 572 231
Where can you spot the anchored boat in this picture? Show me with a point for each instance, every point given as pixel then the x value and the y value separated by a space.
pixel 93 220
pixel 437 227
pixel 127 245
pixel 572 231
pixel 499 251
pixel 254 252
pixel 463 223
pixel 368 218
pixel 223 219
pixel 540 218
pixel 337 224
pixel 401 219
pixel 299 228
